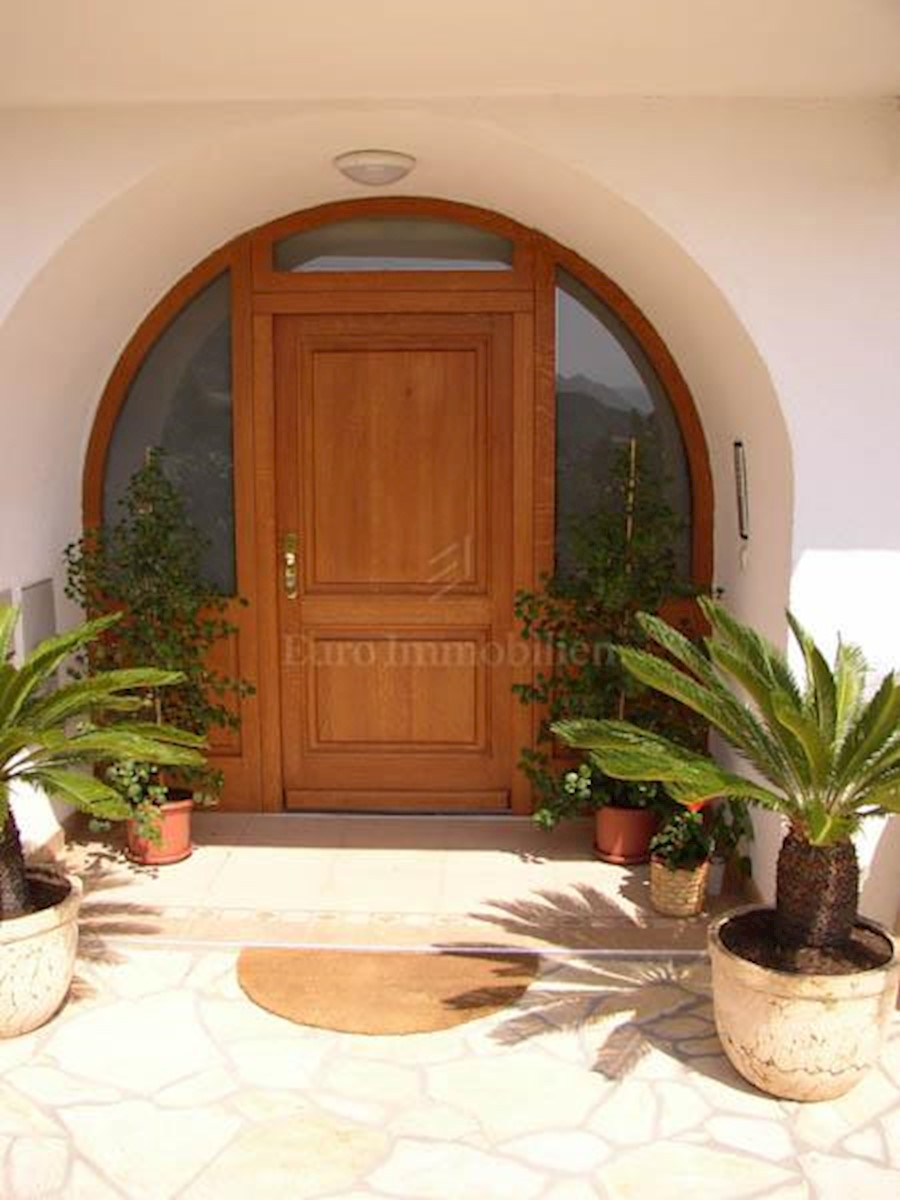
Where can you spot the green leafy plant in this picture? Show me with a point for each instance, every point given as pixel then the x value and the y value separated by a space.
pixel 621 559
pixel 825 756
pixel 47 734
pixel 148 566
pixel 141 786
pixel 683 843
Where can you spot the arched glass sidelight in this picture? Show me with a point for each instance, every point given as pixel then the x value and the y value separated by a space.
pixel 389 243
pixel 180 400
pixel 612 413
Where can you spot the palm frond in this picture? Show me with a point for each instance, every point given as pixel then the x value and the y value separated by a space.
pixel 809 737
pixel 624 751
pixel 679 647
pixel 883 795
pixel 875 725
pixel 169 734
pixel 736 724
pixel 84 792
pixel 114 742
pixel 830 758
pixel 756 746
pixel 44 661
pixel 781 745
pixel 878 766
pixel 850 671
pixel 9 616
pixel 48 740
pixel 821 694
pixel 97 692
pixel 765 659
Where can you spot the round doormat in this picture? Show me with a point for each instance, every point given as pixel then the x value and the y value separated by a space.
pixel 377 992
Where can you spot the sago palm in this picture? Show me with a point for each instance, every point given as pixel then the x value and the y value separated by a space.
pixel 47 734
pixel 827 755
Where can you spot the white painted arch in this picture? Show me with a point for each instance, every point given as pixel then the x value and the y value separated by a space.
pixel 61 338
pixel 149 212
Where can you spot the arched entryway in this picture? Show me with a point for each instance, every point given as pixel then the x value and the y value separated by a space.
pixel 371 394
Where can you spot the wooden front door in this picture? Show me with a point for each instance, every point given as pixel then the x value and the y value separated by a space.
pixel 394 465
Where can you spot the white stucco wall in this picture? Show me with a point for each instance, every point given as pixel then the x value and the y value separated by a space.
pixel 761 238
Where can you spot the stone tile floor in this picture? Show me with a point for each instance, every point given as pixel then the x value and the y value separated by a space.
pixel 159 1079
pixel 310 879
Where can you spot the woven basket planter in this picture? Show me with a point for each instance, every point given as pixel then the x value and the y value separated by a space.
pixel 678 893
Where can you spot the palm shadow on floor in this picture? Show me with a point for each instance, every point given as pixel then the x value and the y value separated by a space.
pixel 615 984
pixel 103 918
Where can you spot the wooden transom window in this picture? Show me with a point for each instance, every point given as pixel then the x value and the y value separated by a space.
pixel 393 244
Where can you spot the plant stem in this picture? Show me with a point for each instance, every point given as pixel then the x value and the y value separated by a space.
pixel 15 897
pixel 817 892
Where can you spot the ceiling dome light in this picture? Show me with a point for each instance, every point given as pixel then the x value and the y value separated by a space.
pixel 374 168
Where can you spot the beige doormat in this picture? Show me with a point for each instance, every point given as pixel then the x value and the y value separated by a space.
pixel 377 992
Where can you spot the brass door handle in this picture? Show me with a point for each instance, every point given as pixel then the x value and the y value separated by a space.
pixel 290 565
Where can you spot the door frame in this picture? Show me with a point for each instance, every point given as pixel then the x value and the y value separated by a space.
pixel 518 306
pixel 251 760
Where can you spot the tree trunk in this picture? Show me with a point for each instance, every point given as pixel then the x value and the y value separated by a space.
pixel 15 899
pixel 817 893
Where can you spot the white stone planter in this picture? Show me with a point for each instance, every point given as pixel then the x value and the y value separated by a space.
pixel 37 958
pixel 801 1037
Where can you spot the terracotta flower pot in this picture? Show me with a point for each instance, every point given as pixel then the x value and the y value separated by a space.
pixel 678 893
pixel 622 835
pixel 801 1037
pixel 175 836
pixel 37 955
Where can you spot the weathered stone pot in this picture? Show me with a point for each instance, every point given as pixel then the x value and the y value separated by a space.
pixel 801 1037
pixel 37 956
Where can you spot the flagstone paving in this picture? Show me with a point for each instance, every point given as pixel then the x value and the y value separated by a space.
pixel 160 1079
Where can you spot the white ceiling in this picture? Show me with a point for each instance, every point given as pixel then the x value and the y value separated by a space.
pixel 129 51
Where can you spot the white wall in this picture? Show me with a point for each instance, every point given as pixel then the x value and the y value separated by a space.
pixel 760 237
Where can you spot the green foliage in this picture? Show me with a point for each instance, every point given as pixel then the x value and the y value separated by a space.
pixel 622 560
pixel 148 565
pixel 829 757
pixel 139 784
pixel 683 843
pixel 46 737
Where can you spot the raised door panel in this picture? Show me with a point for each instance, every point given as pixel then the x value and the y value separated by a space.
pixel 395 466
pixel 410 691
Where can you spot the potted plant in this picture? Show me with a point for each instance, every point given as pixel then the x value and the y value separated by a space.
pixel 45 736
pixel 158 829
pixel 149 565
pixel 804 991
pixel 730 828
pixel 619 559
pixel 626 815
pixel 679 865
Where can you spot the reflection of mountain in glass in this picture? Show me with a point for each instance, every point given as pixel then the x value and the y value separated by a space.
pixel 591 426
pixel 180 400
pixel 197 441
pixel 592 429
pixel 612 396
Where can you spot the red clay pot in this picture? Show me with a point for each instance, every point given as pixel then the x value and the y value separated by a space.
pixel 175 833
pixel 622 835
